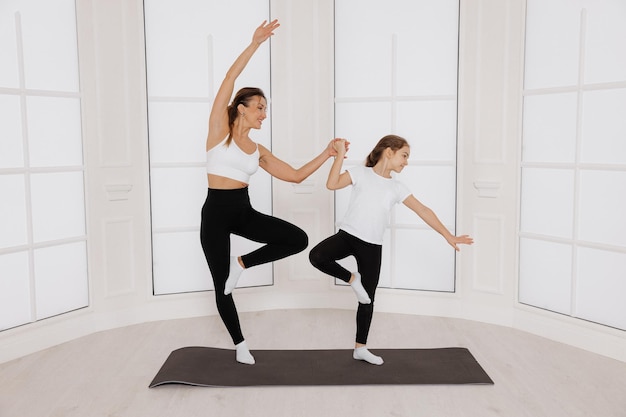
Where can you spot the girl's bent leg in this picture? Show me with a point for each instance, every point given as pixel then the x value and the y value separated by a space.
pixel 325 254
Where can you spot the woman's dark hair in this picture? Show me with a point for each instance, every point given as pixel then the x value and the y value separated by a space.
pixel 390 141
pixel 243 96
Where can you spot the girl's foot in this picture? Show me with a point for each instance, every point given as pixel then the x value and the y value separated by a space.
pixel 358 289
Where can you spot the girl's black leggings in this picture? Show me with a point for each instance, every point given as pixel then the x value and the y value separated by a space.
pixel 324 256
pixel 227 212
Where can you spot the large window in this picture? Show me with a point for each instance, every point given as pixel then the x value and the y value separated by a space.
pixel 190 44
pixel 396 72
pixel 43 255
pixel 573 193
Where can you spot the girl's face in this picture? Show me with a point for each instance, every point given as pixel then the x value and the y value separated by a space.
pixel 255 112
pixel 400 159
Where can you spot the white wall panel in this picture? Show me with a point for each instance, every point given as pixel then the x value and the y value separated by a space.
pixel 120 265
pixel 489 253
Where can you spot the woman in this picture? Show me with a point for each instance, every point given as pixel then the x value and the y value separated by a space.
pixel 232 157
pixel 374 193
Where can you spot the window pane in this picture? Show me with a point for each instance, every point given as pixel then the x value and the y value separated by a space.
pixel 9 76
pixel 362 124
pixel 601 286
pixel 61 279
pixel 604 127
pixel 430 129
pixel 545 275
pixel 605 54
pixel 552 43
pixel 12 211
pixel 50 45
pixel 547 202
pixel 58 206
pixel 602 207
pixel 54 131
pixel 178 132
pixel 427 36
pixel 177 196
pixel 12 154
pixel 15 303
pixel 432 193
pixel 179 263
pixel 423 260
pixel 190 44
pixel 550 128
pixel 384 83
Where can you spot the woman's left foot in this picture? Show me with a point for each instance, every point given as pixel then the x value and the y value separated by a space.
pixel 243 354
pixel 362 354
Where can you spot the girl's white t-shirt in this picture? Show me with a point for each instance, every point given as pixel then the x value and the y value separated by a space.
pixel 370 204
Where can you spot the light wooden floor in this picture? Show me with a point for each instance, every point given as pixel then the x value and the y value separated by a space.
pixel 107 373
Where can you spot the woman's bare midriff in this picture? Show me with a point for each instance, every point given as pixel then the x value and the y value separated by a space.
pixel 222 183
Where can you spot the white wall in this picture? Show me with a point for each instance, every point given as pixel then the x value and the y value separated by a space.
pixel 115 131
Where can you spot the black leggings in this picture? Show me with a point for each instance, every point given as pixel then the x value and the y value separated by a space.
pixel 368 257
pixel 227 212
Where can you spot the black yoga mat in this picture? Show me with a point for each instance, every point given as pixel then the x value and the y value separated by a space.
pixel 212 367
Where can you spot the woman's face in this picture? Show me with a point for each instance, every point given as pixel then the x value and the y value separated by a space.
pixel 400 159
pixel 255 112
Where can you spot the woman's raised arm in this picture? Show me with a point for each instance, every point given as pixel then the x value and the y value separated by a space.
pixel 218 119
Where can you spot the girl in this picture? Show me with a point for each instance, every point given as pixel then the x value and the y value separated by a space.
pixel 374 193
pixel 232 157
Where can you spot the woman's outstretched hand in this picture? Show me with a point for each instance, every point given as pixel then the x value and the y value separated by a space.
pixel 337 147
pixel 263 32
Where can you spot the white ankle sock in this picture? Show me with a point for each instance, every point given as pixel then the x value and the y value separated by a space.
pixel 358 289
pixel 243 354
pixel 233 275
pixel 362 354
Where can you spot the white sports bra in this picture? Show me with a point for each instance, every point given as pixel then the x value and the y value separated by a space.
pixel 232 162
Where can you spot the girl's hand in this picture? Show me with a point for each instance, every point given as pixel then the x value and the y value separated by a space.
pixel 263 32
pixel 338 147
pixel 457 240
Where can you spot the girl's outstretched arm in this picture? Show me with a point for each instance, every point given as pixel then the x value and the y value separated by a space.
pixel 336 179
pixel 433 221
